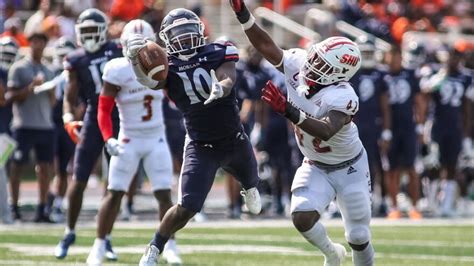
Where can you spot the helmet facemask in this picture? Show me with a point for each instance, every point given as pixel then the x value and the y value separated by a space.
pixel 317 70
pixel 91 35
pixel 183 39
pixel 8 55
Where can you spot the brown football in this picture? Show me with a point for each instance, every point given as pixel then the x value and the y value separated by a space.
pixel 154 61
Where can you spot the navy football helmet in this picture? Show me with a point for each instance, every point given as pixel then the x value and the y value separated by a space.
pixel 182 32
pixel 8 52
pixel 91 29
pixel 62 47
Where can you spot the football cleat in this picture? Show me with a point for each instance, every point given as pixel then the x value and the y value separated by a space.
pixel 252 200
pixel 109 252
pixel 394 215
pixel 150 258
pixel 61 249
pixel 97 254
pixel 415 214
pixel 57 215
pixel 171 254
pixel 337 257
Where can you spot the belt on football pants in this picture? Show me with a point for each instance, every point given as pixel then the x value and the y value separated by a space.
pixel 334 167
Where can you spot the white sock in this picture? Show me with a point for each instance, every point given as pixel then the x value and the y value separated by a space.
pixel 364 257
pixel 69 231
pixel 108 237
pixel 449 196
pixel 98 243
pixel 58 202
pixel 318 236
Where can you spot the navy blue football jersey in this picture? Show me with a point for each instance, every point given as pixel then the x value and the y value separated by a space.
pixel 252 79
pixel 369 86
pixel 5 111
pixel 448 99
pixel 402 88
pixel 89 69
pixel 188 85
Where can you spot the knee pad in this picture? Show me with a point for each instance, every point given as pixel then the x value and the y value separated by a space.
pixel 358 235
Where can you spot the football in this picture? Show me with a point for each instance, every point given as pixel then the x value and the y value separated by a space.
pixel 153 61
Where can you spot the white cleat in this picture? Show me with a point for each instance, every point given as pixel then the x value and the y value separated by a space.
pixel 171 254
pixel 150 258
pixel 337 257
pixel 96 256
pixel 252 200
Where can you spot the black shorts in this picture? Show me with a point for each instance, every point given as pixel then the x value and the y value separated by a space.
pixel 41 140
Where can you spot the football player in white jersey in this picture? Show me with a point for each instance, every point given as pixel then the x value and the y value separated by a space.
pixel 320 103
pixel 141 137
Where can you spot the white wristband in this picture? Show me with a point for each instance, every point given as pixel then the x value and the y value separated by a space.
pixel 419 128
pixel 387 135
pixel 302 118
pixel 68 117
pixel 247 25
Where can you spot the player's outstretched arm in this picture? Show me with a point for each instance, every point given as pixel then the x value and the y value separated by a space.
pixel 222 81
pixel 256 35
pixel 134 44
pixel 323 128
pixel 104 117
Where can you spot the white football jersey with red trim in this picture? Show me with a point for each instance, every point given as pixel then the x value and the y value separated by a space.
pixel 140 108
pixel 345 144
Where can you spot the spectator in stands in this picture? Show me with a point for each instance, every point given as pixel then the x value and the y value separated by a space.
pixel 126 10
pixel 50 27
pixel 13 28
pixel 407 106
pixel 32 122
pixel 67 20
pixel 34 23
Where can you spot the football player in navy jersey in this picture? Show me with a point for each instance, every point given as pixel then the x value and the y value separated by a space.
pixel 8 55
pixel 84 67
pixel 408 111
pixel 373 120
pixel 451 125
pixel 200 81
pixel 64 147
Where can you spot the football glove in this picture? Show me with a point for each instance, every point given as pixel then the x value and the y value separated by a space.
pixel 73 128
pixel 216 89
pixel 113 146
pixel 243 14
pixel 277 101
pixel 134 44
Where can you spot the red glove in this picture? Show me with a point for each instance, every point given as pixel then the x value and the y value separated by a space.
pixel 273 97
pixel 72 129
pixel 277 101
pixel 243 14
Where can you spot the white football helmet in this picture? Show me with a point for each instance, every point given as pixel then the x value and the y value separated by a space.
pixel 91 29
pixel 136 26
pixel 332 60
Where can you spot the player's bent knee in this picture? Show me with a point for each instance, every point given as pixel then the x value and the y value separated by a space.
pixel 183 213
pixel 358 235
pixel 303 221
pixel 359 247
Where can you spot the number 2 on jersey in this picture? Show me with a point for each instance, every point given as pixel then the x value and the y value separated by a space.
pixel 316 142
pixel 149 111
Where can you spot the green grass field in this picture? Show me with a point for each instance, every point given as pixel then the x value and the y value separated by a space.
pixel 207 245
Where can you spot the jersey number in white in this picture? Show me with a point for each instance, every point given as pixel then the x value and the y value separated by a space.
pixel 451 93
pixel 193 84
pixel 96 72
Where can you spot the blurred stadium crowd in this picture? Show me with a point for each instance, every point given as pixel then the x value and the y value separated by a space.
pixel 415 119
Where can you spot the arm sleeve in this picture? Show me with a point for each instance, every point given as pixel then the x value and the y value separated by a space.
pixel 104 116
pixel 231 54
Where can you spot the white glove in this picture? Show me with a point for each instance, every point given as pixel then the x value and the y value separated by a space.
pixel 467 147
pixel 134 44
pixel 302 88
pixel 216 89
pixel 113 147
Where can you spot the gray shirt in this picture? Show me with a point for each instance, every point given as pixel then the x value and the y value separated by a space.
pixel 36 111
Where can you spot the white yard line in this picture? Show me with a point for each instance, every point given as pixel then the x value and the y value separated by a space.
pixel 37 250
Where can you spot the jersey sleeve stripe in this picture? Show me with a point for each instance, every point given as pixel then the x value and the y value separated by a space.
pixel 230 57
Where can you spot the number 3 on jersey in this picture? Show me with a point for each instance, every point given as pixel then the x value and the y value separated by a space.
pixel 149 111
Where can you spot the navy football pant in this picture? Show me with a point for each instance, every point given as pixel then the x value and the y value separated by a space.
pixel 201 161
